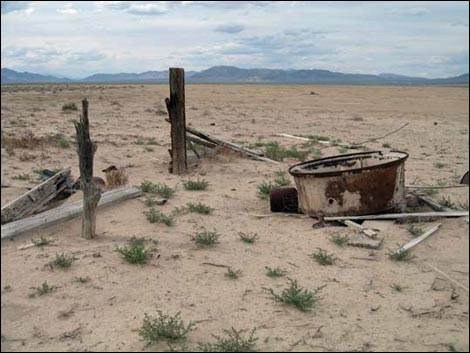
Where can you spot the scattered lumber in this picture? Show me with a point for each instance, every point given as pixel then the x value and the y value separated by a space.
pixel 64 213
pixel 410 245
pixel 253 154
pixel 447 277
pixel 33 200
pixel 233 146
pixel 366 231
pixel 399 216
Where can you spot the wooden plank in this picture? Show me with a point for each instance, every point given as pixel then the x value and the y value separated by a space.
pixel 33 200
pixel 64 213
pixel 359 240
pixel 399 216
pixel 410 245
pixel 448 277
pixel 304 139
pixel 368 232
pixel 177 113
pixel 201 142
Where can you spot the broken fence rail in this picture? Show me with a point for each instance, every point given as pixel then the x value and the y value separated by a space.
pixel 34 199
pixel 64 213
pixel 398 216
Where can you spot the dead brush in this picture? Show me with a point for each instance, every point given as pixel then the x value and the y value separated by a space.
pixel 27 141
pixel 115 177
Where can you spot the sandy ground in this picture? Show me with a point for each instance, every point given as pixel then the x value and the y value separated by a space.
pixel 358 311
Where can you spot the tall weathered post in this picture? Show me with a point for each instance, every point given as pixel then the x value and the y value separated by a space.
pixel 91 192
pixel 176 111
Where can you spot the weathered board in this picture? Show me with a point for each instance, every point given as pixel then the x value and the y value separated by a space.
pixel 33 200
pixel 64 213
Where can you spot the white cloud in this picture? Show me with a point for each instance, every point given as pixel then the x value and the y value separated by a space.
pixel 67 9
pixel 113 36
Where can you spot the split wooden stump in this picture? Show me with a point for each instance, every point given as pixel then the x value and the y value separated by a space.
pixel 91 192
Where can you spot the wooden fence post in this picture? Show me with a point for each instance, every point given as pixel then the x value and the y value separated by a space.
pixel 176 111
pixel 91 193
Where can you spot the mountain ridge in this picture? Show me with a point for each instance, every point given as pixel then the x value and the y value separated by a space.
pixel 233 74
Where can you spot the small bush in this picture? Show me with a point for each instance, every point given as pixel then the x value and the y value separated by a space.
pixel 275 272
pixel 42 241
pixel 234 341
pixel 45 288
pixel 386 145
pixel 266 187
pixel 135 252
pixel 151 201
pixel 156 216
pixel 400 255
pixel 69 107
pixel 62 261
pixel 397 287
pixel 165 328
pixel 281 179
pixel 23 176
pixel 447 202
pixel 249 238
pixel 82 280
pixel 414 230
pixel 162 190
pixel 339 239
pixel 440 165
pixel 295 295
pixel 231 274
pixel 62 142
pixel 323 258
pixel 199 208
pixel 206 238
pixel 196 185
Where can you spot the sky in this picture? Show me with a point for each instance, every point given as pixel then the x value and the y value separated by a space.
pixel 80 38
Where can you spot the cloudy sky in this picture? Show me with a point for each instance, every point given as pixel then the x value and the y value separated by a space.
pixel 78 38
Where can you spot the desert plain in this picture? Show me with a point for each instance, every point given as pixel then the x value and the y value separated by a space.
pixel 368 302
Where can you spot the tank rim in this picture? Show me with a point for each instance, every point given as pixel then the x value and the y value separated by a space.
pixel 300 173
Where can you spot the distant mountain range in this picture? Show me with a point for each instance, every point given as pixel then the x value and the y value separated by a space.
pixel 231 74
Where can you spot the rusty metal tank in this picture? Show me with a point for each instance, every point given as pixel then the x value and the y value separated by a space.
pixel 351 184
